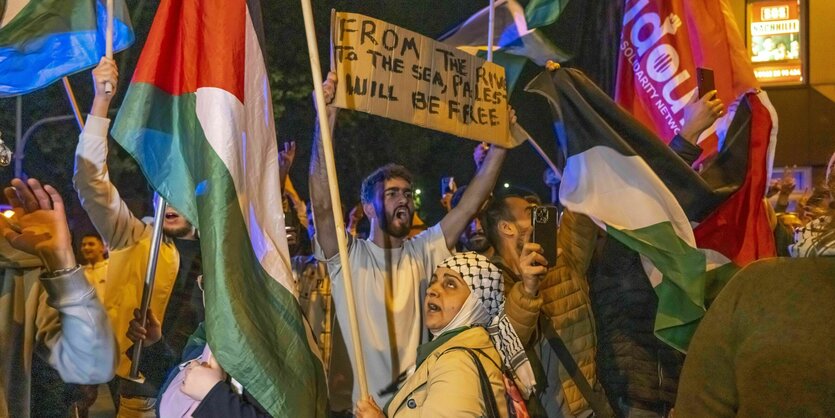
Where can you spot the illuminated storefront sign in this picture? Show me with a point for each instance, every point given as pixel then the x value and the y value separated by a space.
pixel 776 41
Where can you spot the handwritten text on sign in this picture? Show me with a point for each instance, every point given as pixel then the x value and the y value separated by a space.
pixel 396 73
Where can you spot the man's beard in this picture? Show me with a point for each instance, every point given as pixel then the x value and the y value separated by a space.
pixel 398 232
pixel 180 232
pixel 477 242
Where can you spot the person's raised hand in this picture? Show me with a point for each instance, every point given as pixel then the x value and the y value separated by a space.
pixel 39 225
pixel 329 88
pixel 787 183
pixel 511 116
pixel 701 114
pixel 532 266
pixel 285 160
pixel 105 72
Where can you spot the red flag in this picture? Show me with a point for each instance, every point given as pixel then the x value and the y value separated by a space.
pixel 739 228
pixel 662 44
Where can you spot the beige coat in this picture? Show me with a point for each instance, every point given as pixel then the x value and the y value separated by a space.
pixel 448 385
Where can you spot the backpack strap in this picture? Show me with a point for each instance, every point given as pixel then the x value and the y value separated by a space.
pixel 492 408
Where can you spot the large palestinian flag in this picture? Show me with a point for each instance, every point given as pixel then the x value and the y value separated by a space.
pixel 44 40
pixel 622 176
pixel 198 119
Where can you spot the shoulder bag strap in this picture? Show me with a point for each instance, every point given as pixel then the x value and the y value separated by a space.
pixel 492 409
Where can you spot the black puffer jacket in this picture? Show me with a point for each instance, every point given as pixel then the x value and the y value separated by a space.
pixel 633 365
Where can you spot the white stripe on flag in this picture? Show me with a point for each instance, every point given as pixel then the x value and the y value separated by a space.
pixel 621 191
pixel 243 135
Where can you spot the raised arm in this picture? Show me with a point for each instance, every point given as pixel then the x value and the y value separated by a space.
pixel 477 192
pixel 320 196
pixel 110 215
pixel 72 330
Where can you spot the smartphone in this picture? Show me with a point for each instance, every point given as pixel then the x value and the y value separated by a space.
pixel 544 220
pixel 447 185
pixel 704 78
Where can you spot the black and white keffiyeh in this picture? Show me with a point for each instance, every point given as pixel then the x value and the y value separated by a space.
pixel 485 307
pixel 816 239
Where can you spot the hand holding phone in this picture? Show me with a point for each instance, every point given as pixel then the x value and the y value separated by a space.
pixel 532 268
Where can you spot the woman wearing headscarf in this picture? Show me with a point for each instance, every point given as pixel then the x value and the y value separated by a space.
pixel 459 373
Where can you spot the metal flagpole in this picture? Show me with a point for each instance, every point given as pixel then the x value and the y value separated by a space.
pixel 518 132
pixel 542 154
pixel 150 275
pixel 330 165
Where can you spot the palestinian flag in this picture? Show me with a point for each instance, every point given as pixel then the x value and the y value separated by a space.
pixel 513 42
pixel 622 176
pixel 42 41
pixel 198 119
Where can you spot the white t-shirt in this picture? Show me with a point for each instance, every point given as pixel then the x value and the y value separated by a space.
pixel 387 354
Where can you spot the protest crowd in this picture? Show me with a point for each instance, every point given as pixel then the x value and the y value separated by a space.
pixel 667 275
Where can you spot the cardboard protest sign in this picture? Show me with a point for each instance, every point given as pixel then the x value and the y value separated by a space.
pixel 392 72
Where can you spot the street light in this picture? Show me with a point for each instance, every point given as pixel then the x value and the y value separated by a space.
pixel 21 145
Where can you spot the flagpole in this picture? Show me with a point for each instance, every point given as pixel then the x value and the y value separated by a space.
pixel 330 165
pixel 150 276
pixel 73 103
pixel 108 42
pixel 545 157
pixel 491 30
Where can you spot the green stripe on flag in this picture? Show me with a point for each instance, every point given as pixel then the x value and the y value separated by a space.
pixel 41 18
pixel 540 13
pixel 681 293
pixel 255 325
